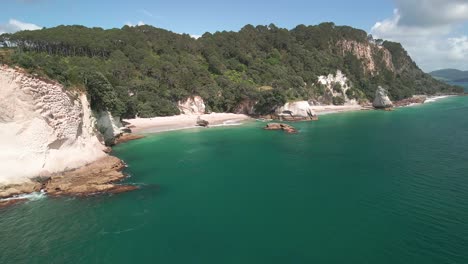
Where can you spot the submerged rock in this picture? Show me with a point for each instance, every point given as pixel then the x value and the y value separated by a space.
pixel 381 100
pixel 280 126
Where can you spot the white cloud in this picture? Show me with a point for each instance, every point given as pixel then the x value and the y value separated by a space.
pixel 427 30
pixel 14 25
pixel 140 23
pixel 195 36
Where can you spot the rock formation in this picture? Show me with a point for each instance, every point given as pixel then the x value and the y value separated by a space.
pixel 192 106
pixel 369 53
pixel 50 142
pixel 280 126
pixel 43 128
pixel 381 99
pixel 416 99
pixel 109 126
pixel 202 122
pixel 296 111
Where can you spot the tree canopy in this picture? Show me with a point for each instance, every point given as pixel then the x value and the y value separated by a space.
pixel 145 70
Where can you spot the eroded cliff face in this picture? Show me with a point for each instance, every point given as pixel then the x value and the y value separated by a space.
pixel 109 126
pixel 369 53
pixel 43 128
pixel 192 106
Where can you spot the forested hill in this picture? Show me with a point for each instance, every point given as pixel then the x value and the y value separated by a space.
pixel 452 75
pixel 145 70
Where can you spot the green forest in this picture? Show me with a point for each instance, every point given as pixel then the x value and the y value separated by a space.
pixel 145 70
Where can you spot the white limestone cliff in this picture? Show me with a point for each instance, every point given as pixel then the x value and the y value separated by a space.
pixel 192 106
pixel 297 108
pixel 43 128
pixel 381 99
pixel 109 126
pixel 339 78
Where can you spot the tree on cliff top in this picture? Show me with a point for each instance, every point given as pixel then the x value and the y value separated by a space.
pixel 145 70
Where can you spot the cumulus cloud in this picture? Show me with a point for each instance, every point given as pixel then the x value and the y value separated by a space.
pixel 195 36
pixel 428 30
pixel 140 23
pixel 14 25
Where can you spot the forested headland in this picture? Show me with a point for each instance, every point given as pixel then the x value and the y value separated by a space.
pixel 145 70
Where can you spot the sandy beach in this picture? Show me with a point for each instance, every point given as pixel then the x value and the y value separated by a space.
pixel 178 122
pixel 330 109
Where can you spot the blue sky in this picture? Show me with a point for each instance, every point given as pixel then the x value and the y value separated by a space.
pixel 434 32
pixel 197 17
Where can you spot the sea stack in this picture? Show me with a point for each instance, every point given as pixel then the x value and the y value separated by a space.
pixel 381 100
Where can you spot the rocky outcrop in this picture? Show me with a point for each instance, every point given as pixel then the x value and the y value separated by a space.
pixel 202 122
pixel 125 137
pixel 280 126
pixel 44 129
pixel 246 107
pixel 295 111
pixel 97 177
pixel 192 106
pixel 100 176
pixel 369 53
pixel 416 99
pixel 109 126
pixel 381 100
pixel 335 86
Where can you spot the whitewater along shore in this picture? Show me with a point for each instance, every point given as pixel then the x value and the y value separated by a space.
pixel 100 176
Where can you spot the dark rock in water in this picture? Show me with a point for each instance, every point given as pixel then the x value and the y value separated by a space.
pixel 201 122
pixel 280 126
pixel 381 100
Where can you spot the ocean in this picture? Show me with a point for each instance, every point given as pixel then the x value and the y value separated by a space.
pixel 358 187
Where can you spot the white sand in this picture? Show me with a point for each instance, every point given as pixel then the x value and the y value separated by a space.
pixel 329 109
pixel 178 122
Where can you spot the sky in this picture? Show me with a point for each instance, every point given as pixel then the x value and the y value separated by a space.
pixel 435 32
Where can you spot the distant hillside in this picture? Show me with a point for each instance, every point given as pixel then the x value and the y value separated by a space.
pixel 145 70
pixel 452 75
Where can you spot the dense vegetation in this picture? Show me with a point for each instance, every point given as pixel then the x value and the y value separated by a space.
pixel 145 70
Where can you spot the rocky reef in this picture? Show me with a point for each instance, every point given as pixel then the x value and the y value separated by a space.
pixel 416 99
pixel 280 126
pixel 382 101
pixel 100 176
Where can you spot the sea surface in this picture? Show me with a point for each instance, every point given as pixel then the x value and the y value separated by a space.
pixel 362 187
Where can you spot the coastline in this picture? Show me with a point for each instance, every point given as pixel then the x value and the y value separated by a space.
pixel 108 170
pixel 180 122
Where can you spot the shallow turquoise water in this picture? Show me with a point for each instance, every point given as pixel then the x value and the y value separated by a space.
pixel 363 187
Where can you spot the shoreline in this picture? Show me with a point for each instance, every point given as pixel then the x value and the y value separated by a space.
pixel 81 185
pixel 182 122
pixel 162 124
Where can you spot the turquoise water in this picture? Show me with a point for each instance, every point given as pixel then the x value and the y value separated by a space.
pixel 362 187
